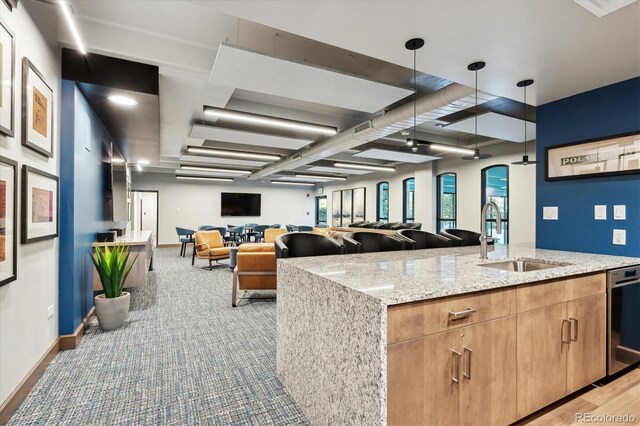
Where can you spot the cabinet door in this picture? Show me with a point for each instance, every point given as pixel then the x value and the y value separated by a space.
pixel 587 351
pixel 542 357
pixel 488 385
pixel 420 386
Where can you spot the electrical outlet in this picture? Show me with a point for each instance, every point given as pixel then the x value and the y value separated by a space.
pixel 550 213
pixel 50 311
pixel 620 212
pixel 600 212
pixel 619 237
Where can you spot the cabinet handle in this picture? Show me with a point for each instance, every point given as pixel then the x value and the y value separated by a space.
pixel 461 314
pixel 566 321
pixel 468 352
pixel 574 321
pixel 455 375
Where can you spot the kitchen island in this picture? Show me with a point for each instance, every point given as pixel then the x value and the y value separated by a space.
pixel 140 244
pixel 430 336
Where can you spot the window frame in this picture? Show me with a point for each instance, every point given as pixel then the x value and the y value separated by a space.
pixel 439 218
pixel 378 187
pixel 483 197
pixel 317 205
pixel 406 219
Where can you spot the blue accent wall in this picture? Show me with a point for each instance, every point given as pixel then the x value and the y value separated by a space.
pixel 603 112
pixel 81 195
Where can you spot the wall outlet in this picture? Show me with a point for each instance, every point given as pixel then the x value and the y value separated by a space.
pixel 619 237
pixel 50 311
pixel 620 212
pixel 550 213
pixel 600 212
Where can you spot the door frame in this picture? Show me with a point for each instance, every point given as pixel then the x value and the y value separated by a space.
pixel 157 211
pixel 317 198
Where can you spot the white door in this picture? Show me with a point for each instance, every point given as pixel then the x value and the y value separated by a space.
pixel 145 213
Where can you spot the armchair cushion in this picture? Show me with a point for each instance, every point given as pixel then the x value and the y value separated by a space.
pixel 209 244
pixel 257 248
pixel 270 234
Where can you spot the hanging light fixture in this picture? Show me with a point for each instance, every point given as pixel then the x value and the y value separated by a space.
pixel 475 67
pixel 414 44
pixel 525 158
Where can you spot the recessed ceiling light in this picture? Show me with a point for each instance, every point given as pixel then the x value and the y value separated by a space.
pixel 283 182
pixel 220 179
pixel 122 100
pixel 214 169
pixel 320 177
pixel 358 166
pixel 212 152
pixel 143 161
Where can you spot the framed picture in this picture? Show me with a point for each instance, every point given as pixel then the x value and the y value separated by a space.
pixel 8 220
pixel 40 198
pixel 37 110
pixel 617 155
pixel 347 206
pixel 11 4
pixel 336 208
pixel 359 204
pixel 8 79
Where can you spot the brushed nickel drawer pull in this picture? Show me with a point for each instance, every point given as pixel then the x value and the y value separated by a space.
pixel 574 336
pixel 461 314
pixel 566 321
pixel 467 374
pixel 455 375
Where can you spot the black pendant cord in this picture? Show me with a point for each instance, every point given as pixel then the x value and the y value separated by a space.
pixel 525 120
pixel 415 98
pixel 476 113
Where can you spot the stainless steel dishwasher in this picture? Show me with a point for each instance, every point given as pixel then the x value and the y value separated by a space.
pixel 623 309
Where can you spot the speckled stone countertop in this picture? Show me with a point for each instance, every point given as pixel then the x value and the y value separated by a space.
pixel 413 275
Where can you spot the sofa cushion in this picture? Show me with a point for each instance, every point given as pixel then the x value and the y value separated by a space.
pixel 256 247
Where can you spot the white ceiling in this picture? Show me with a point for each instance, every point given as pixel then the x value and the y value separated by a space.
pixel 405 157
pixel 496 126
pixel 222 134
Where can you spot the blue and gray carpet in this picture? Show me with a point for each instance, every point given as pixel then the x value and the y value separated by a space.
pixel 184 357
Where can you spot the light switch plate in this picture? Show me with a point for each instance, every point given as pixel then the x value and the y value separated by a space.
pixel 50 311
pixel 600 212
pixel 620 212
pixel 550 213
pixel 619 237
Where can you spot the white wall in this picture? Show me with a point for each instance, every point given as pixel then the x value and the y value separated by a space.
pixel 521 190
pixel 25 331
pixel 189 204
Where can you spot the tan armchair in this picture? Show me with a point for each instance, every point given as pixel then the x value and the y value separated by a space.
pixel 270 234
pixel 256 269
pixel 210 245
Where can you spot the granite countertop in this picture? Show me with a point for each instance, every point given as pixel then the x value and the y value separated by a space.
pixel 131 238
pixel 408 276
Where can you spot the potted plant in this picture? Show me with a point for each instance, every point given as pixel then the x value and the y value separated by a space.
pixel 112 307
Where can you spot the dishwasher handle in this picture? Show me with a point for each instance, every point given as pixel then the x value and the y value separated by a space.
pixel 624 284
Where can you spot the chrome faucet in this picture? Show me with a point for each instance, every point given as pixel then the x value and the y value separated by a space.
pixel 483 227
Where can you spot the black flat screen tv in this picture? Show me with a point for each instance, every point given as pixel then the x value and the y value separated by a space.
pixel 238 204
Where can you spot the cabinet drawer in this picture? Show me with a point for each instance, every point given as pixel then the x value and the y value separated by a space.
pixel 411 320
pixel 538 295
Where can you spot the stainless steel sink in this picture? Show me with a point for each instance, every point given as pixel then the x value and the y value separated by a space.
pixel 523 265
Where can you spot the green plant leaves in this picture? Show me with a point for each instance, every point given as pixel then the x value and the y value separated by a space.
pixel 112 267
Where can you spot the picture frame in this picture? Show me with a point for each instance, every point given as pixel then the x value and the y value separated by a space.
pixel 609 156
pixel 37 110
pixel 7 74
pixel 347 206
pixel 359 204
pixel 11 4
pixel 336 208
pixel 40 205
pixel 8 220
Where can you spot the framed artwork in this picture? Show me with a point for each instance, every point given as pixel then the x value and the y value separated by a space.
pixel 37 110
pixel 8 220
pixel 347 206
pixel 40 198
pixel 618 155
pixel 359 204
pixel 11 4
pixel 7 78
pixel 336 208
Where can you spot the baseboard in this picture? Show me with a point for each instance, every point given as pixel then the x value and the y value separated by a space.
pixel 71 341
pixel 169 245
pixel 20 393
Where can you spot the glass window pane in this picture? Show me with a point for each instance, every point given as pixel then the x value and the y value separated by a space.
pixel 383 201
pixel 496 189
pixel 409 199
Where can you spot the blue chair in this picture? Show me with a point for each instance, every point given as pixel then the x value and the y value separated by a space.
pixel 236 235
pixel 186 237
pixel 304 228
pixel 291 228
pixel 250 231
pixel 276 226
pixel 206 228
pixel 259 232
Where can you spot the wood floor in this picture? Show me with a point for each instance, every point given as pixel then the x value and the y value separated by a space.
pixel 618 397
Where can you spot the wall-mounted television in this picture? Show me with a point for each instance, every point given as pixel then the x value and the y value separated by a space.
pixel 239 204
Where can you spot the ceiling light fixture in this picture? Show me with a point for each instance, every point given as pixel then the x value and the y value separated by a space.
pixel 143 162
pixel 321 177
pixel 122 100
pixel 220 179
pixel 117 160
pixel 214 169
pixel 263 120
pixel 358 166
pixel 281 182
pixel 212 152
pixel 66 11
pixel 414 44
pixel 447 148
pixel 525 158
pixel 475 67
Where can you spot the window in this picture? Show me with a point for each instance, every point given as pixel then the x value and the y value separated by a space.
pixel 495 187
pixel 321 210
pixel 446 217
pixel 382 209
pixel 408 197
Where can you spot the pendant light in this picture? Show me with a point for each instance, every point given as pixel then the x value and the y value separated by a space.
pixel 414 44
pixel 525 158
pixel 475 67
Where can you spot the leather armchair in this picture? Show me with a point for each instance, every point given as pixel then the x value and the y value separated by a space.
pixel 370 224
pixel 462 236
pixel 412 225
pixel 270 234
pixel 302 244
pixel 255 269
pixel 370 242
pixel 209 245
pixel 357 224
pixel 388 225
pixel 424 239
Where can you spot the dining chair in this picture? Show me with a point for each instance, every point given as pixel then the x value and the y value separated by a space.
pixel 185 236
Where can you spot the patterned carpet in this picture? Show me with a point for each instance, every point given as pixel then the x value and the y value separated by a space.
pixel 184 357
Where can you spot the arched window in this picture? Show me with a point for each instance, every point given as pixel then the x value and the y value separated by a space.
pixel 447 201
pixel 382 202
pixel 408 200
pixel 495 187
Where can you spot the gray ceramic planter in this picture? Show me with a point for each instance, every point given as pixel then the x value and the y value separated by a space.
pixel 112 313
